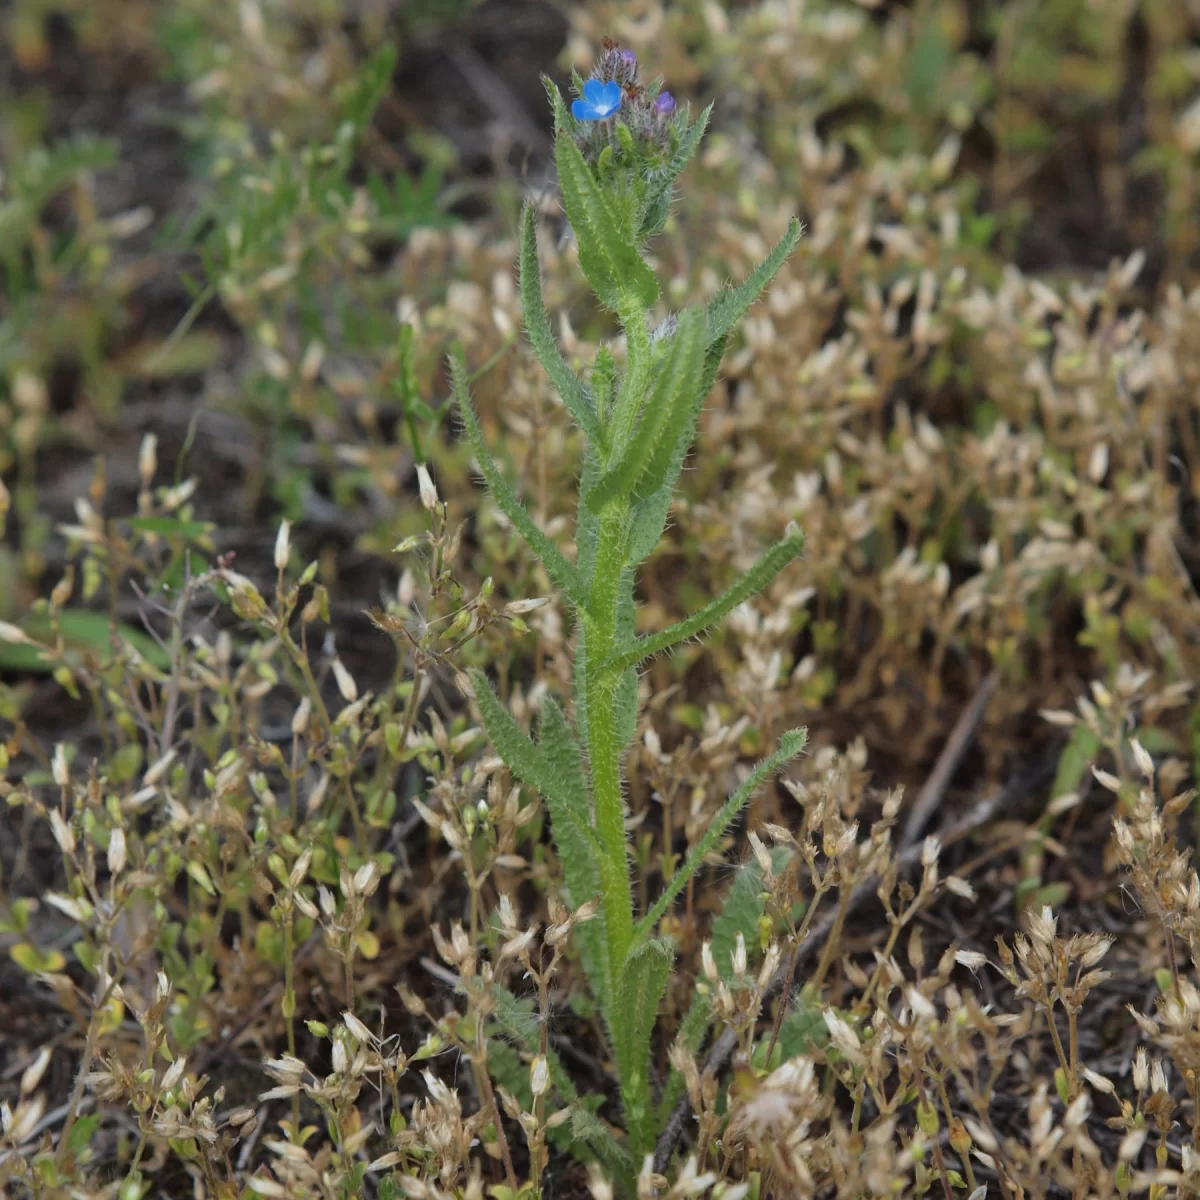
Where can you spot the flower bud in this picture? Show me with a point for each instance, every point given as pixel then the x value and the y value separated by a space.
pixel 429 496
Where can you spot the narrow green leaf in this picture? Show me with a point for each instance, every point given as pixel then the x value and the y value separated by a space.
pixel 791 744
pixel 518 1020
pixel 561 572
pixel 658 201
pixel 641 983
pixel 625 695
pixel 563 756
pixel 650 514
pixel 614 1157
pixel 585 865
pixel 743 907
pixel 730 304
pixel 533 767
pixel 645 460
pixel 749 585
pixel 607 253
pixel 564 760
pixel 537 324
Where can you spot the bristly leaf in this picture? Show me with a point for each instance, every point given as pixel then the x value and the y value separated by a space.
pixel 658 201
pixel 644 463
pixel 563 757
pixel 555 771
pixel 791 744
pixel 730 304
pixel 642 982
pixel 561 572
pixel 565 761
pixel 614 1156
pixel 609 258
pixel 534 767
pixel 750 584
pixel 625 695
pixel 744 905
pixel 537 324
pixel 650 514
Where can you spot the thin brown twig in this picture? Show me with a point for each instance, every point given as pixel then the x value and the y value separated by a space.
pixel 960 739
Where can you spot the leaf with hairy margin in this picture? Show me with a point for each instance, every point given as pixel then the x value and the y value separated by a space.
pixel 537 324
pixel 644 461
pixel 743 908
pixel 642 981
pixel 650 514
pixel 730 304
pixel 561 572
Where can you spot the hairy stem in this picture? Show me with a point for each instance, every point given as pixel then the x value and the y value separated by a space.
pixel 604 748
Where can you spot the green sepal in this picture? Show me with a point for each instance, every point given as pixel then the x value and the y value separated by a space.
pixel 607 253
pixel 561 572
pixel 537 324
pixel 646 459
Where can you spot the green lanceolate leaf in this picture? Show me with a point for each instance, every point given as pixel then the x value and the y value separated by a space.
pixel 744 906
pixel 554 769
pixel 749 585
pixel 537 324
pixel 565 760
pixel 607 253
pixel 643 465
pixel 650 514
pixel 533 766
pixel 641 983
pixel 614 1157
pixel 562 754
pixel 561 572
pixel 729 305
pixel 658 199
pixel 625 694
pixel 791 744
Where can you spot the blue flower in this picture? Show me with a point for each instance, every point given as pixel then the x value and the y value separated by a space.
pixel 598 102
pixel 664 103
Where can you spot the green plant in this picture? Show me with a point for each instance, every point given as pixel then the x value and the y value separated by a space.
pixel 617 176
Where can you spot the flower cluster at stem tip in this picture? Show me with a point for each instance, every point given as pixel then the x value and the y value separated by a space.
pixel 612 94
